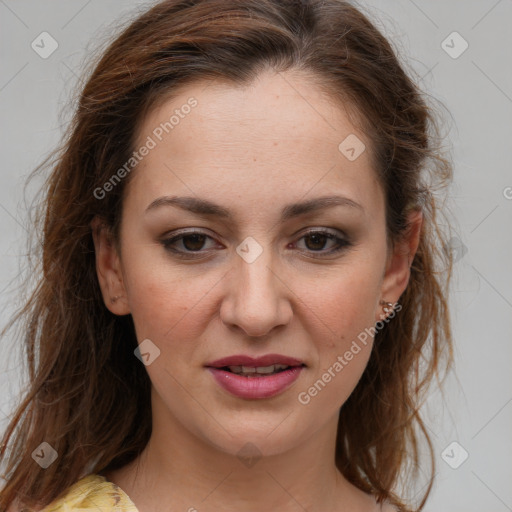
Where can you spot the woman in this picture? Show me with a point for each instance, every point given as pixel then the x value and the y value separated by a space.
pixel 238 272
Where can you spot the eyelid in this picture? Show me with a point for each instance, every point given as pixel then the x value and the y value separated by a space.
pixel 205 231
pixel 321 229
pixel 188 231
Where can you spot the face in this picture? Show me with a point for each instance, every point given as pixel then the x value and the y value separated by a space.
pixel 279 253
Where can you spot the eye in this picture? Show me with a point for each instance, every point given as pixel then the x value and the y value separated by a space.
pixel 315 241
pixel 190 244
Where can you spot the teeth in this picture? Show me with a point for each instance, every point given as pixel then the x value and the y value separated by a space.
pixel 263 369
pixel 258 370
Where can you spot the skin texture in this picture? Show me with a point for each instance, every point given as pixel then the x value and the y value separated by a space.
pixel 252 150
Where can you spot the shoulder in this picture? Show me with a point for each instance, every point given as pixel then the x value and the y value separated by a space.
pixel 92 492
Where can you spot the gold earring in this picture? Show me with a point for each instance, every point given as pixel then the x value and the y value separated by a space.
pixel 113 299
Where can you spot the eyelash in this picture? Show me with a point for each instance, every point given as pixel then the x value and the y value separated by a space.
pixel 342 243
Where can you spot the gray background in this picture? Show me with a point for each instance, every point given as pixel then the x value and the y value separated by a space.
pixel 476 87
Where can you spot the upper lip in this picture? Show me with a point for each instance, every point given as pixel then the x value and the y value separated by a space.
pixel 266 360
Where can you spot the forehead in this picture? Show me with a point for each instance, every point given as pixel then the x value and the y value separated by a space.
pixel 278 138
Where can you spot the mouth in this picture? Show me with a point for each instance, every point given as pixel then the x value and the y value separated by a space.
pixel 257 371
pixel 256 378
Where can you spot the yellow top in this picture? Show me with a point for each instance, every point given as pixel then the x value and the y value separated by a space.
pixel 93 493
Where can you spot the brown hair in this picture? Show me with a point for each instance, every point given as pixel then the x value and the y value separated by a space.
pixel 88 396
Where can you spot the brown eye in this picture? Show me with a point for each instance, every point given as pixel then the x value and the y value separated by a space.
pixel 193 242
pixel 186 244
pixel 315 241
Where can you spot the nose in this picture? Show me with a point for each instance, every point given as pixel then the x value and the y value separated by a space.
pixel 257 298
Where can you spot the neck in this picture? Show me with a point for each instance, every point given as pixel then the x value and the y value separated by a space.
pixel 181 471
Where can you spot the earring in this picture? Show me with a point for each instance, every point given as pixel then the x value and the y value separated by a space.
pixel 113 299
pixel 387 307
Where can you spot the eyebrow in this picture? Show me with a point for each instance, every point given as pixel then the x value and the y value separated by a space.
pixel 208 208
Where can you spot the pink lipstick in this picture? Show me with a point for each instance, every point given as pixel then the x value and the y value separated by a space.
pixel 256 378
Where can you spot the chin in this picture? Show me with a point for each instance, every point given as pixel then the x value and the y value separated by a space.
pixel 252 436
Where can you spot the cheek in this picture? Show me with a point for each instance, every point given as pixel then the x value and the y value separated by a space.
pixel 342 301
pixel 160 306
pixel 344 308
pixel 169 304
pixel 339 368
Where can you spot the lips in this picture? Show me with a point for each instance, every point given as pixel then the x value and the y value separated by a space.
pixel 255 378
pixel 253 362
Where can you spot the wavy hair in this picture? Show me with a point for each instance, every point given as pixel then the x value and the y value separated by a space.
pixel 87 396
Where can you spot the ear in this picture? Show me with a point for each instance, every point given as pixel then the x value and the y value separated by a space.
pixel 400 257
pixel 108 269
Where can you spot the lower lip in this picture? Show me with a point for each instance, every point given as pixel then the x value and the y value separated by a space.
pixel 256 387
